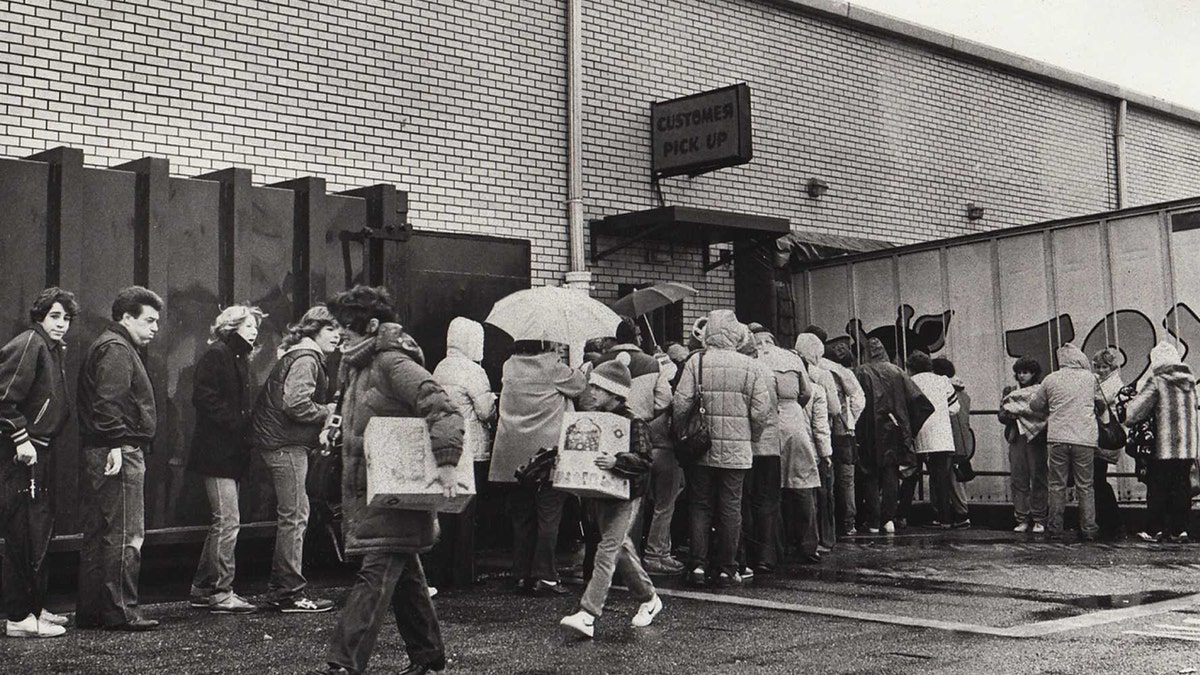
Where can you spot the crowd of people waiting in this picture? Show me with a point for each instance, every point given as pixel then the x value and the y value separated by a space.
pixel 807 445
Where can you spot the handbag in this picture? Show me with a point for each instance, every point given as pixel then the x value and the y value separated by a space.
pixel 536 473
pixel 693 439
pixel 1110 436
pixel 324 480
pixel 963 471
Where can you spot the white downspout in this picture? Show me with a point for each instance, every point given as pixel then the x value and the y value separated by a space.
pixel 578 277
pixel 1119 153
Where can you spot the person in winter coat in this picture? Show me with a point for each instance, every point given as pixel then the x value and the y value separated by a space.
pixel 221 451
pixel 611 386
pixel 934 443
pixel 811 348
pixel 895 411
pixel 761 490
pixel 469 389
pixel 117 423
pixel 964 441
pixel 537 389
pixel 838 360
pixel 737 399
pixel 1068 397
pixel 34 410
pixel 1170 395
pixel 806 444
pixel 289 414
pixel 1025 432
pixel 1107 368
pixel 383 375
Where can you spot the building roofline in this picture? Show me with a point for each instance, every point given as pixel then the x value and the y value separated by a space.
pixel 905 30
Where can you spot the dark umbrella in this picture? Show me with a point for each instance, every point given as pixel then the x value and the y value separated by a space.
pixel 646 300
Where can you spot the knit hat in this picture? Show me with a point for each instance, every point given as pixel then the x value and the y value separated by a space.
pixel 613 377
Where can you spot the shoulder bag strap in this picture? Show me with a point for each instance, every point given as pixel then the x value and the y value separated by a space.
pixel 700 382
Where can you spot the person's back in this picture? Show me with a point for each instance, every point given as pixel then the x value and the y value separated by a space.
pixel 536 390
pixel 1068 397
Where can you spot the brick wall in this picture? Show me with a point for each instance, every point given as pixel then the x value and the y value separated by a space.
pixel 463 106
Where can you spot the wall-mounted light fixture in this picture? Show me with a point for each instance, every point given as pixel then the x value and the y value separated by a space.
pixel 816 188
pixel 974 212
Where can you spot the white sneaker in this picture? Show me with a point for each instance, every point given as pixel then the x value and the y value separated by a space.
pixel 581 622
pixel 889 527
pixel 1023 527
pixel 30 627
pixel 1038 528
pixel 646 612
pixel 50 617
pixel 234 604
pixel 432 591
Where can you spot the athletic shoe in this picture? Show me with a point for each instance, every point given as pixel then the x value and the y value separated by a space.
pixel 724 580
pixel 50 617
pixel 646 612
pixel 697 577
pixel 433 591
pixel 663 566
pixel 963 524
pixel 302 604
pixel 200 601
pixel 1038 528
pixel 581 622
pixel 747 574
pixel 1146 536
pixel 1023 527
pixel 889 527
pixel 234 604
pixel 1182 538
pixel 31 627
pixel 872 530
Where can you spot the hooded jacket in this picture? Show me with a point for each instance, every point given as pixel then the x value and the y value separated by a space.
pixel 802 451
pixel 812 350
pixel 937 434
pixel 1170 395
pixel 1068 397
pixel 736 394
pixel 221 396
pixel 116 396
pixel 792 392
pixel 895 411
pixel 385 376
pixel 467 385
pixel 33 388
pixel 537 391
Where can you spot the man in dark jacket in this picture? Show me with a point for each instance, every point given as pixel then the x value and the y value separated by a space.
pixel 383 374
pixel 117 421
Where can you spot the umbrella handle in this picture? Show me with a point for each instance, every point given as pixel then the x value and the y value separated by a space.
pixel 650 329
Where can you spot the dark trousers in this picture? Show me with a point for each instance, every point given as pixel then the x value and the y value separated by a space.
pixel 940 475
pixel 114 525
pixel 877 492
pixel 716 500
pixel 760 512
pixel 1108 514
pixel 536 515
pixel 826 507
pixel 26 525
pixel 800 514
pixel 387 580
pixel 452 560
pixel 1168 496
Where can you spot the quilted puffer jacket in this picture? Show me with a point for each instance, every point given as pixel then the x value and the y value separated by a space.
pixel 736 394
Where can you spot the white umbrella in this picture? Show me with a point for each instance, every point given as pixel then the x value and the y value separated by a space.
pixel 553 314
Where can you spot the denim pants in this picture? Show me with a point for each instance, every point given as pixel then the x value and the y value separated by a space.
pixel 1028 481
pixel 845 507
pixel 214 574
pixel 666 482
pixel 716 495
pixel 800 514
pixel 761 512
pixel 394 580
pixel 27 525
pixel 1077 460
pixel 535 515
pixel 1168 499
pixel 289 469
pixel 114 525
pixel 615 554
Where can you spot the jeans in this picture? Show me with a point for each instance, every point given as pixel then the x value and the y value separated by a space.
pixel 1168 499
pixel 536 515
pixel 614 554
pixel 1064 459
pixel 845 507
pixel 800 514
pixel 1108 513
pixel 114 525
pixel 26 525
pixel 940 475
pixel 289 469
pixel 716 493
pixel 666 482
pixel 394 580
pixel 877 493
pixel 214 574
pixel 1028 482
pixel 760 512
pixel 826 522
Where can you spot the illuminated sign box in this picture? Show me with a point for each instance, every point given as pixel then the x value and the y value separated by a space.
pixel 701 133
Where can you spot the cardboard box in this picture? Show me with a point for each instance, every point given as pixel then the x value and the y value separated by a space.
pixel 401 469
pixel 586 435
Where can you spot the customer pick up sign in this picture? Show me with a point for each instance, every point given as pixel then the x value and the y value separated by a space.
pixel 401 469
pixel 700 133
pixel 585 436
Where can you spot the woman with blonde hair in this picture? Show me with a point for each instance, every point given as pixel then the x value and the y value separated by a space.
pixel 221 450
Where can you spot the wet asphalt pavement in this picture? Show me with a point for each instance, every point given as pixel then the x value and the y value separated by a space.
pixel 923 601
